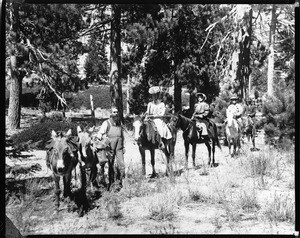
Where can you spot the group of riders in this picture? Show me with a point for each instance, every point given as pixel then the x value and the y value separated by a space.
pixel 112 131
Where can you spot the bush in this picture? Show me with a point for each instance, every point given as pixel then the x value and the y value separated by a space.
pixel 257 165
pixel 279 112
pixel 248 201
pixel 281 208
pixel 163 206
pixel 40 133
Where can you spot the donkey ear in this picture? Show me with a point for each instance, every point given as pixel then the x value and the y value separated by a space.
pixel 53 134
pixel 78 129
pixel 69 132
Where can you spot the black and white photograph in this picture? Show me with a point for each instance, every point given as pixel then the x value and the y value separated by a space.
pixel 149 118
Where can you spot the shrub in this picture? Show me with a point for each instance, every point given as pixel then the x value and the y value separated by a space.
pixel 40 133
pixel 279 112
pixel 281 208
pixel 248 201
pixel 163 206
pixel 257 165
pixel 111 202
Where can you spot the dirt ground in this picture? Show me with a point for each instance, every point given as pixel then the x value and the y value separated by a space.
pixel 215 212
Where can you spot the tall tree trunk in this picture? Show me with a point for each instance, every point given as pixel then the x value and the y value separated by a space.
pixel 247 44
pixel 271 54
pixel 115 60
pixel 177 94
pixel 14 108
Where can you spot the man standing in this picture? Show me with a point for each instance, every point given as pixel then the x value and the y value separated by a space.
pixel 112 130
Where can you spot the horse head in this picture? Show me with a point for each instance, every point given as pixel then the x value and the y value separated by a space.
pixel 61 152
pixel 85 141
pixel 137 127
pixel 175 121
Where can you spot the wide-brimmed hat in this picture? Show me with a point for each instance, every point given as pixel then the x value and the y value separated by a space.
pixel 154 90
pixel 234 97
pixel 201 95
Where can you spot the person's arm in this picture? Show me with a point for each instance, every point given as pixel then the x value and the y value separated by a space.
pixel 148 108
pixel 161 109
pixel 102 130
pixel 206 110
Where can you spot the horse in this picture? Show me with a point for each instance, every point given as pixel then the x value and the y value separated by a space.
pixel 233 134
pixel 145 136
pixel 61 159
pixel 186 125
pixel 250 131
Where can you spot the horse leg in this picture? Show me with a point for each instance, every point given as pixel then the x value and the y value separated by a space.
pixel 213 152
pixel 171 157
pixel 152 153
pixel 142 152
pixel 209 152
pixel 57 190
pixel 167 154
pixel 194 153
pixel 186 145
pixel 253 137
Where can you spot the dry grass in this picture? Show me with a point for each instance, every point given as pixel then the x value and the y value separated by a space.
pixel 164 206
pixel 229 193
pixel 281 208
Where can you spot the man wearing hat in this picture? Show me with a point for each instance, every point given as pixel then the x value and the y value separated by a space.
pixel 251 110
pixel 156 110
pixel 111 129
pixel 235 109
pixel 201 114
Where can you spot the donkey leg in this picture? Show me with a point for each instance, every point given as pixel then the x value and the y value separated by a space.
pixel 154 174
pixel 67 185
pixel 57 190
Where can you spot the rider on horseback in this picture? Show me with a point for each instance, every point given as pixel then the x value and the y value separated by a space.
pixel 236 110
pixel 156 111
pixel 201 115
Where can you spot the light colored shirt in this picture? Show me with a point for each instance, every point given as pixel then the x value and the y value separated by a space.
pixel 235 110
pixel 201 108
pixel 156 109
